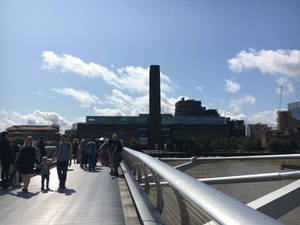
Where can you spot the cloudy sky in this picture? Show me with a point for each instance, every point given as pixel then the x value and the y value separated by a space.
pixel 63 60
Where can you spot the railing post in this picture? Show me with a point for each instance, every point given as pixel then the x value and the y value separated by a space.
pixel 134 165
pixel 159 194
pixel 146 180
pixel 139 170
pixel 185 220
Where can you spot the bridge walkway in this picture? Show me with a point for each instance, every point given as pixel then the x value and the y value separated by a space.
pixel 90 198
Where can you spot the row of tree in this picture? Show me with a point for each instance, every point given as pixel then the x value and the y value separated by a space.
pixel 234 144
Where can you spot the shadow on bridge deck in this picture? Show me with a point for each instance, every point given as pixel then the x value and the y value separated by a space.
pixel 90 198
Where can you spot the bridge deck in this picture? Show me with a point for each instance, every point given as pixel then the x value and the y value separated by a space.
pixel 90 198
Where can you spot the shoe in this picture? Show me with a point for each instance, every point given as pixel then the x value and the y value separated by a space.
pixel 25 190
pixel 42 189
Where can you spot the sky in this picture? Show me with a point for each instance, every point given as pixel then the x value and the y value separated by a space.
pixel 63 60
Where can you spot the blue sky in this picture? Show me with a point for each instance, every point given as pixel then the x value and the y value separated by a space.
pixel 63 60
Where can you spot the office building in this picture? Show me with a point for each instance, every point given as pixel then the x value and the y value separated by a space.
pixel 294 108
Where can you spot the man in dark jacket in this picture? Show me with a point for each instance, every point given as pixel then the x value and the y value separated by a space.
pixel 5 156
pixel 41 148
pixel 116 156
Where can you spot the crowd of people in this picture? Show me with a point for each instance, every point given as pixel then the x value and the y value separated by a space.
pixel 20 162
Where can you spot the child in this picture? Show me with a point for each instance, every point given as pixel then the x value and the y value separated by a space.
pixel 45 172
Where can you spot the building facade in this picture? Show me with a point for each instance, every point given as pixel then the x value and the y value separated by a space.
pixel 294 108
pixel 154 129
pixel 255 130
pixel 191 107
pixel 171 126
pixel 50 133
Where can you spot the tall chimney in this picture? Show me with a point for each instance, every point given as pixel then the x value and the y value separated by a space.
pixel 154 107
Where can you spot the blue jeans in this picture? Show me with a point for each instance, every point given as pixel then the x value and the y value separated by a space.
pixel 91 160
pixel 62 168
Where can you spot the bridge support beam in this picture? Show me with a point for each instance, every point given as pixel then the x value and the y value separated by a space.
pixel 278 203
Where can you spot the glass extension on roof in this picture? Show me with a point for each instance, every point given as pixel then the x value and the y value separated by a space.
pixel 125 120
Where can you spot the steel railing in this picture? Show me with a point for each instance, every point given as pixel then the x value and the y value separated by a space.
pixel 186 200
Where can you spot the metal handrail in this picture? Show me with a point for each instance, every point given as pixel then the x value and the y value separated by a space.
pixel 220 207
pixel 261 177
pixel 217 158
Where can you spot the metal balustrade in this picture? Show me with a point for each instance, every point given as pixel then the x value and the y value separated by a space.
pixel 186 200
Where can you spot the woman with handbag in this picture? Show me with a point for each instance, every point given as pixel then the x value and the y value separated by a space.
pixel 26 161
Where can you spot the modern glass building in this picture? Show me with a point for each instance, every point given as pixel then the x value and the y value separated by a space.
pixel 294 107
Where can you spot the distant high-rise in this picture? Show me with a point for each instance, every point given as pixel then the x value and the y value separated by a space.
pixel 154 107
pixel 284 120
pixel 294 107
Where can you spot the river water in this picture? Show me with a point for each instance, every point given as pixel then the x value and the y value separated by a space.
pixel 246 192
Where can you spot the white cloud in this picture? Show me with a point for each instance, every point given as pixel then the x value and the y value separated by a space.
pixel 36 118
pixel 199 88
pixel 120 99
pixel 266 117
pixel 84 97
pixel 80 119
pixel 232 86
pixel 108 112
pixel 286 62
pixel 232 116
pixel 168 104
pixel 134 79
pixel 237 104
pixel 287 86
pixel 132 106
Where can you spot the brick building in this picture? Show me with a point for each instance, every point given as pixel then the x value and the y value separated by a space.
pixel 50 133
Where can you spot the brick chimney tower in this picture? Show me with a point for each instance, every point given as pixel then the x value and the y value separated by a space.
pixel 154 107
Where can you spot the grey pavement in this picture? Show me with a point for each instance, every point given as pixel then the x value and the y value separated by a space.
pixel 90 198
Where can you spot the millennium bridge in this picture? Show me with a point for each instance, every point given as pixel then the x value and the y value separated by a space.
pixel 150 191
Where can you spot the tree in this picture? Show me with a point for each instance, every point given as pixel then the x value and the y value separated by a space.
pixel 274 145
pixel 133 143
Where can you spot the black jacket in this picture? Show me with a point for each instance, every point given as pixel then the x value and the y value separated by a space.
pixel 5 153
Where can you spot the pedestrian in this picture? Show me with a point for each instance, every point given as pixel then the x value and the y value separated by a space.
pixel 26 161
pixel 116 153
pixel 83 158
pixel 91 149
pixel 104 152
pixel 5 157
pixel 64 159
pixel 13 171
pixel 75 146
pixel 41 148
pixel 45 173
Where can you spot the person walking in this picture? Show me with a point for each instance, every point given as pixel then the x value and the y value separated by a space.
pixel 45 173
pixel 83 158
pixel 13 172
pixel 6 158
pixel 104 152
pixel 64 159
pixel 91 149
pixel 75 146
pixel 116 153
pixel 26 161
pixel 41 148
